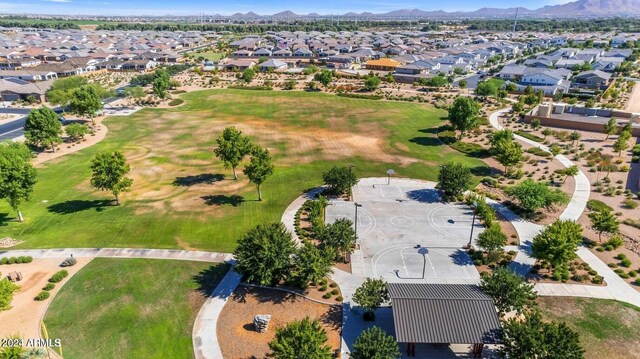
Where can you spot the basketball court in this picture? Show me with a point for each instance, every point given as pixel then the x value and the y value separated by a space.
pixel 406 234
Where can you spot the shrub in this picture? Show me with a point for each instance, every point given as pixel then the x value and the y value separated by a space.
pixel 625 263
pixel 326 295
pixel 612 265
pixel 623 275
pixel 361 96
pixel 333 285
pixel 630 203
pixel 24 259
pixel 339 298
pixel 42 296
pixel 621 256
pixel 633 273
pixel 615 241
pixel 632 222
pixel 4 260
pixel 59 276
pixel 13 260
pixel 335 291
pixel 69 262
pixel 176 102
pixel 529 136
pixel 597 280
pixel 323 288
pixel 637 281
pixel 598 206
pixel 539 152
pixel 49 286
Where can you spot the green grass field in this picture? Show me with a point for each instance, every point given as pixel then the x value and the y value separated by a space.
pixel 182 196
pixel 211 56
pixel 131 308
pixel 607 328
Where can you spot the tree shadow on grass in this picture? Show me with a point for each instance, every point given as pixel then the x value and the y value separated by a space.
pixel 481 171
pixel 203 178
pixel 208 279
pixel 4 219
pixel 223 200
pixel 74 206
pixel 426 141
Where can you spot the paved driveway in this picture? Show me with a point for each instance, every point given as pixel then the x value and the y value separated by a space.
pixel 407 235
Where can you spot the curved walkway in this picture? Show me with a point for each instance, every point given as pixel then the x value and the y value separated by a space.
pixel 616 287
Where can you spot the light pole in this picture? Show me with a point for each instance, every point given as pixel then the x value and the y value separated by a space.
pixel 389 174
pixel 355 226
pixel 473 222
pixel 350 174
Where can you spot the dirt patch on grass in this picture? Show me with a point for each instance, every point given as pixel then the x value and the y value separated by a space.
pixel 235 331
pixel 176 144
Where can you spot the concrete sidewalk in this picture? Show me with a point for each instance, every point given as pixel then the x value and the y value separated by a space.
pixel 205 336
pixel 61 253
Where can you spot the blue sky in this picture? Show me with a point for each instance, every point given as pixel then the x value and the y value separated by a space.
pixel 188 7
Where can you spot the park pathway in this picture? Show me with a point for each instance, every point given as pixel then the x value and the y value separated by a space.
pixel 61 253
pixel 616 287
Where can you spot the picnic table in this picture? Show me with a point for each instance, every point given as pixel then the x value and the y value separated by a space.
pixel 15 276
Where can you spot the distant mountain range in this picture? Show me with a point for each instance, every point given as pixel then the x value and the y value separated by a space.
pixel 575 9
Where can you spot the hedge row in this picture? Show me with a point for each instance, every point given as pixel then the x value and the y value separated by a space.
pixel 14 260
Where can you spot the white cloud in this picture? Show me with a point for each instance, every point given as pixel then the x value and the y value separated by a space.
pixel 63 1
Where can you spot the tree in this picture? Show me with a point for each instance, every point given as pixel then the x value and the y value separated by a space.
pixel 604 221
pixel 135 92
pixel 533 195
pixel 453 179
pixel 375 343
pixel 555 150
pixel 109 173
pixel 508 154
pixel 371 83
pixel 536 123
pixel 232 148
pixel 259 168
pixel 248 74
pixel 339 235
pixel 488 88
pixel 535 338
pixel 160 86
pixel 264 253
pixel 463 113
pixel 370 296
pixel 558 242
pixel 42 128
pixel 17 175
pixel 300 339
pixel 86 101
pixel 60 93
pixel 340 179
pixel 311 264
pixel 622 142
pixel 508 290
pixel 462 84
pixel 324 77
pixel 547 132
pixel 611 127
pixel 290 84
pixel 76 131
pixel 570 171
pixel 6 293
pixel 575 137
pixel 492 239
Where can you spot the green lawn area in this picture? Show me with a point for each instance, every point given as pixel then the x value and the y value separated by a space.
pixel 131 308
pixel 608 329
pixel 211 56
pixel 182 196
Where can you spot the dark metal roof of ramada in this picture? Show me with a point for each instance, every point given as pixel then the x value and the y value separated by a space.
pixel 443 313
